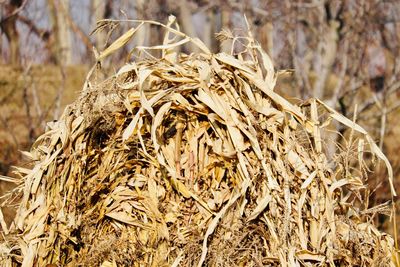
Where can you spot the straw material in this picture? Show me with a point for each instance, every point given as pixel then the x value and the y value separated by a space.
pixel 193 160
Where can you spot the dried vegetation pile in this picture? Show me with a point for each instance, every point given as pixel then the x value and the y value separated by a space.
pixel 193 160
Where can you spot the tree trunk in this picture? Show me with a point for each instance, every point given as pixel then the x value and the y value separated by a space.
pixel 102 10
pixel 226 23
pixel 265 31
pixel 9 27
pixel 142 33
pixel 185 18
pixel 59 12
pixel 210 29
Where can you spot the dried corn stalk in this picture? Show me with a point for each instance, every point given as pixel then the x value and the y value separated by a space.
pixel 192 160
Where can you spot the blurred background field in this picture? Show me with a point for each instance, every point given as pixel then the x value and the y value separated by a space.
pixel 343 52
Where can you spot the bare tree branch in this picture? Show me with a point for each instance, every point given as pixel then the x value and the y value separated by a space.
pixel 16 11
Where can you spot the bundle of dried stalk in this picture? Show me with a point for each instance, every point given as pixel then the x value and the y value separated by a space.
pixel 194 160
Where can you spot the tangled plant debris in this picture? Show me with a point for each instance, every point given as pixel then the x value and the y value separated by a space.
pixel 193 160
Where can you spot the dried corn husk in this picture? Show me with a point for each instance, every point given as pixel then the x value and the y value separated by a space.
pixel 193 160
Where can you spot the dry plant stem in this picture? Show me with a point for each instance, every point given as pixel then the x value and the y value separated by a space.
pixel 317 134
pixel 30 123
pixel 395 226
pixel 369 103
pixel 60 91
pixel 178 142
pixel 383 127
pixel 27 104
pixel 36 103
